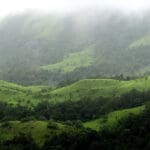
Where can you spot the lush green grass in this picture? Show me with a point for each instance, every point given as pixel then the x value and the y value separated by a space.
pixel 73 61
pixel 92 88
pixel 14 94
pixel 37 129
pixel 112 118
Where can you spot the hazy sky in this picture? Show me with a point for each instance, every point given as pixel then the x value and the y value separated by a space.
pixel 9 6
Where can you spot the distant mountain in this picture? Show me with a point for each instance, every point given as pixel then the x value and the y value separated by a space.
pixel 50 49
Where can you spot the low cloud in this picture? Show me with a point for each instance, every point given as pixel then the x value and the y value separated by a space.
pixel 8 6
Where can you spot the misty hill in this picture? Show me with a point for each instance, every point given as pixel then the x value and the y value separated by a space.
pixel 51 49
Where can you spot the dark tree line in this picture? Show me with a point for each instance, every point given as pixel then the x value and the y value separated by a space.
pixel 84 109
pixel 132 133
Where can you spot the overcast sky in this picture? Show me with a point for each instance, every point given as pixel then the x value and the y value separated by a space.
pixel 11 6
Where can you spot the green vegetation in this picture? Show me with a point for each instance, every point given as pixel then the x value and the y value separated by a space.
pixel 80 81
pixel 17 94
pixel 73 61
pixel 45 133
pixel 37 129
pixel 42 124
pixel 110 120
pixel 93 88
pixel 88 109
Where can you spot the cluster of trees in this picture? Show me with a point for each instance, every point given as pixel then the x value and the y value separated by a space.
pixel 87 109
pixel 132 132
pixel 84 109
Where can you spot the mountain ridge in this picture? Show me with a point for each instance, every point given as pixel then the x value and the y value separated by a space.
pixel 29 41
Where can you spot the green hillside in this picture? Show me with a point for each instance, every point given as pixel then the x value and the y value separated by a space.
pixel 112 118
pixel 38 130
pixel 93 88
pixel 76 79
pixel 17 94
pixel 73 61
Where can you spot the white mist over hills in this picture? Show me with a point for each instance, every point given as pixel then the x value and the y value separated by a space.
pixel 66 6
pixel 49 42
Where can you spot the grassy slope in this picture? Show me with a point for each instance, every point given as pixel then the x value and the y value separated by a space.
pixel 98 87
pixel 38 130
pixel 112 118
pixel 73 61
pixel 90 88
pixel 13 93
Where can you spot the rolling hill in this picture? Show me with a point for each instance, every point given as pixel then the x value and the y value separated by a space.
pixel 76 80
pixel 17 94
pixel 91 88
